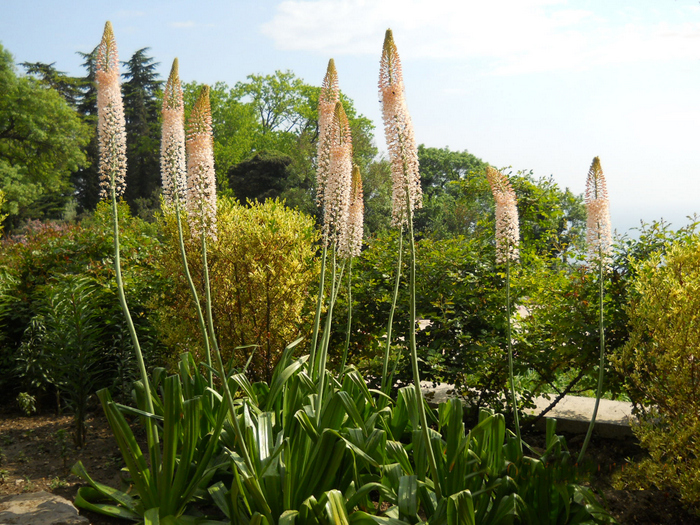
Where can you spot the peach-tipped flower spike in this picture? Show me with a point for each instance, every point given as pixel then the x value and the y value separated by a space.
pixel 398 129
pixel 173 166
pixel 327 100
pixel 598 230
pixel 351 244
pixel 201 177
pixel 507 229
pixel 111 126
pixel 336 197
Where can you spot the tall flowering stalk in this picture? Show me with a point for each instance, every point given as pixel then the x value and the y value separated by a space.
pixel 351 244
pixel 407 196
pixel 201 203
pixel 174 177
pixel 507 243
pixel 336 209
pixel 111 138
pixel 327 100
pixel 599 240
pixel 407 193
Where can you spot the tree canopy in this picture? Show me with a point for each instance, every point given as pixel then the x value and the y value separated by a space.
pixel 41 141
pixel 271 115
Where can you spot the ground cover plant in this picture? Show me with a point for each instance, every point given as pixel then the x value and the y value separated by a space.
pixel 261 426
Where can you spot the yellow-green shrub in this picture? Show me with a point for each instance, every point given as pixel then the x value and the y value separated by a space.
pixel 662 363
pixel 262 269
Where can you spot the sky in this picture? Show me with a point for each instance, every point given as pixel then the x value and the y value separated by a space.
pixel 541 85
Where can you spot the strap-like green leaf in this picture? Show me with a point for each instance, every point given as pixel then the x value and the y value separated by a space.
pixel 86 498
pixel 460 509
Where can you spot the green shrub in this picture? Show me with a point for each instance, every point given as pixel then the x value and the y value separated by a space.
pixel 49 251
pixel 662 366
pixel 262 269
pixel 461 296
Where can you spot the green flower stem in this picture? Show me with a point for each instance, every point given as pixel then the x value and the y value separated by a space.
pixel 514 398
pixel 323 354
pixel 193 290
pixel 317 318
pixel 414 364
pixel 347 333
pixel 152 434
pixel 386 379
pixel 601 365
pixel 219 361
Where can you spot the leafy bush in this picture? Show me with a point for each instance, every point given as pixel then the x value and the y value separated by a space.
pixel 461 297
pixel 662 367
pixel 46 252
pixel 262 269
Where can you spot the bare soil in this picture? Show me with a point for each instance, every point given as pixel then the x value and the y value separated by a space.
pixel 32 459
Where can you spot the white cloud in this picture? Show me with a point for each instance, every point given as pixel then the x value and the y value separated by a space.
pixel 189 23
pixel 515 36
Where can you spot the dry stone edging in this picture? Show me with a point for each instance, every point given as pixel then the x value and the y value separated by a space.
pixel 39 508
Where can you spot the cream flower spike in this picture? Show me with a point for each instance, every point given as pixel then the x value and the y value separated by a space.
pixel 201 177
pixel 111 125
pixel 328 98
pixel 507 227
pixel 598 229
pixel 407 194
pixel 173 166
pixel 351 245
pixel 336 199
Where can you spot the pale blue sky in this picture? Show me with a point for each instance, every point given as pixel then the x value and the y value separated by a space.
pixel 533 84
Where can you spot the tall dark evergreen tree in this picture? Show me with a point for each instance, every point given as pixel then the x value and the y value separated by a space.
pixel 86 180
pixel 141 110
pixel 70 88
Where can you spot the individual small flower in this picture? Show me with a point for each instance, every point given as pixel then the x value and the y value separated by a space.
pixel 201 177
pixel 173 166
pixel 351 243
pixel 398 129
pixel 111 125
pixel 507 228
pixel 336 195
pixel 598 230
pixel 328 98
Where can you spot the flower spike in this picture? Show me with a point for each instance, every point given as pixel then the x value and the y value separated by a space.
pixel 398 129
pixel 111 125
pixel 328 98
pixel 336 198
pixel 173 166
pixel 507 228
pixel 598 230
pixel 351 243
pixel 201 177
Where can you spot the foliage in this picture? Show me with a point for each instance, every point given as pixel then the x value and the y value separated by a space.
pixel 274 116
pixel 70 88
pixel 142 110
pixel 348 461
pixel 74 338
pixel 44 253
pixel 459 295
pixel 85 180
pixel 661 365
pixel 191 422
pixel 263 176
pixel 27 403
pixel 40 145
pixel 262 267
